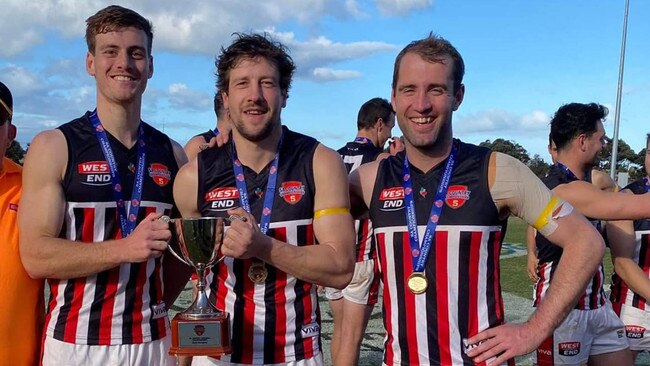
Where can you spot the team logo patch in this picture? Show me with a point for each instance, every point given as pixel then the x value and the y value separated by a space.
pixel 199 330
pixel 568 348
pixel 222 198
pixel 457 196
pixel 94 173
pixel 13 207
pixel 160 174
pixel 392 199
pixel 634 331
pixel 292 191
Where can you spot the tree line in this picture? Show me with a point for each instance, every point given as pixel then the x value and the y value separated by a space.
pixel 627 160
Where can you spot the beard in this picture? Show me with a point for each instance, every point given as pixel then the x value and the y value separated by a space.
pixel 255 136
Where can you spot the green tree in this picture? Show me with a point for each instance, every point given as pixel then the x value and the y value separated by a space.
pixel 508 147
pixel 538 166
pixel 15 152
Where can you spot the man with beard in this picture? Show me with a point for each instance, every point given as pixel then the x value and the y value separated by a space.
pixel 290 184
pixel 442 295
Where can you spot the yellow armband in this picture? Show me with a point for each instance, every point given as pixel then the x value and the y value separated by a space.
pixel 330 211
pixel 545 216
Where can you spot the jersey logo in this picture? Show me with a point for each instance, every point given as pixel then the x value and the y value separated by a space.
pixel 457 196
pixel 292 191
pixel 634 331
pixel 94 173
pixel 310 330
pixel 392 199
pixel 222 198
pixel 158 310
pixel 568 348
pixel 160 174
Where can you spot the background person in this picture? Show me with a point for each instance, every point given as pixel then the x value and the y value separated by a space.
pixel 21 298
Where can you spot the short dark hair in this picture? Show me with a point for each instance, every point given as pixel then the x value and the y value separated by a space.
pixel 371 111
pixel 113 18
pixel 251 46
pixel 6 104
pixel 433 49
pixel 219 108
pixel 574 119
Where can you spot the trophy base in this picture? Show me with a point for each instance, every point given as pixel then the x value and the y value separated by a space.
pixel 200 337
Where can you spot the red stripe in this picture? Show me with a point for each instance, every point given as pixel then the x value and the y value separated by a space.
pixel 389 355
pixel 162 322
pixel 106 317
pixel 88 228
pixel 540 283
pixel 409 305
pixel 363 240
pixel 308 342
pixel 442 296
pixel 249 316
pixel 280 300
pixel 221 274
pixel 70 334
pixel 373 294
pixel 545 353
pixel 498 299
pixel 474 259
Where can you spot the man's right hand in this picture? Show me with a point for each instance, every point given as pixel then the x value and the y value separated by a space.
pixel 148 240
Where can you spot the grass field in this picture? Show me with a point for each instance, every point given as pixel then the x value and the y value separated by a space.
pixel 513 270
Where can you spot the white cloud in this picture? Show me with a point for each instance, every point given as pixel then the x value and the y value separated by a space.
pixel 325 74
pixel 182 97
pixel 397 7
pixel 502 122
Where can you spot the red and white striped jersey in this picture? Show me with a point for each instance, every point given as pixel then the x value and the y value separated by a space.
pixel 122 305
pixel 621 292
pixel 463 296
pixel 549 256
pixel 277 321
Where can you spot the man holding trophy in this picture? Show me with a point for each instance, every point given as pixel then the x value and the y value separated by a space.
pixel 93 192
pixel 282 192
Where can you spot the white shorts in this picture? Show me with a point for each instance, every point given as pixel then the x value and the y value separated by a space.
pixel 56 353
pixel 582 334
pixel 364 287
pixel 209 361
pixel 637 327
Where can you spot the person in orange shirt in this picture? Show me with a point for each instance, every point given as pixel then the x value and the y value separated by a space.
pixel 21 297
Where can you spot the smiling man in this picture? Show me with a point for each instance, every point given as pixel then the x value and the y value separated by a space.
pixel 290 184
pixel 438 211
pixel 92 192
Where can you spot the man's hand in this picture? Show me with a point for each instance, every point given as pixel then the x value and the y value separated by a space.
pixel 243 239
pixel 395 145
pixel 531 266
pixel 497 345
pixel 148 240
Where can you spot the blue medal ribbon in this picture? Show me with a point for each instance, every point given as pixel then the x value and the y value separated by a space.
pixel 647 184
pixel 566 169
pixel 269 196
pixel 419 252
pixel 127 219
pixel 363 140
pixel 215 132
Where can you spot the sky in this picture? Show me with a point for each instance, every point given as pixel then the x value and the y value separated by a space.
pixel 523 60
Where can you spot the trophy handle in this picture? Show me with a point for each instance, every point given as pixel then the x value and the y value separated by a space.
pixel 169 220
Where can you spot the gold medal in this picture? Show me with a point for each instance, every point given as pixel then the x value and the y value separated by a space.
pixel 417 283
pixel 258 272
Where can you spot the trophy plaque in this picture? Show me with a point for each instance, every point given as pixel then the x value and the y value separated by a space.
pixel 201 329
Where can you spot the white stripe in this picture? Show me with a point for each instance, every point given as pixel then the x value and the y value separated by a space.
pixel 392 290
pixel 453 295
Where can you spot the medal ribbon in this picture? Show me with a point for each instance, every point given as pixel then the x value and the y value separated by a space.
pixel 419 252
pixel 363 140
pixel 269 196
pixel 215 132
pixel 647 184
pixel 127 219
pixel 566 169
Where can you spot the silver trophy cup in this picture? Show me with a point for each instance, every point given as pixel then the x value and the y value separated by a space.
pixel 201 329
